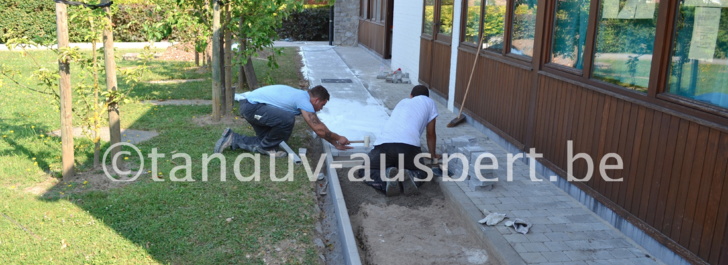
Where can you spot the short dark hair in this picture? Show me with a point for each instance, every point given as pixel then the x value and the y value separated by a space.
pixel 420 90
pixel 319 92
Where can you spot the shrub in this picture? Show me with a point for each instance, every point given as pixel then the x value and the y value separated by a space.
pixel 311 24
pixel 35 19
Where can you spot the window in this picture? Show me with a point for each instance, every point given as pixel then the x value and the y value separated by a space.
pixel 472 29
pixel 524 27
pixel 446 14
pixel 624 43
pixel 428 22
pixel 569 39
pixel 698 69
pixel 493 24
pixel 363 7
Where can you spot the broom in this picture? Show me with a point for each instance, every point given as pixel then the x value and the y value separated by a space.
pixel 460 118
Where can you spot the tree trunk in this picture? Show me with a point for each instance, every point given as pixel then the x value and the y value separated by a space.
pixel 111 85
pixel 229 92
pixel 197 59
pixel 241 71
pixel 216 75
pixel 64 83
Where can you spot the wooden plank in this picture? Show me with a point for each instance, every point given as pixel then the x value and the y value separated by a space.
pixel 694 173
pixel 605 140
pixel 558 134
pixel 674 151
pixel 684 181
pixel 642 183
pixel 721 214
pixel 620 135
pixel 717 209
pixel 591 122
pixel 636 130
pixel 651 181
pixel 701 206
pixel 580 141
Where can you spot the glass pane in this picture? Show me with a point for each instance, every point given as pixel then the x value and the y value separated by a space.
pixel 446 13
pixel 429 19
pixel 472 22
pixel 524 27
pixel 493 23
pixel 700 53
pixel 571 23
pixel 625 40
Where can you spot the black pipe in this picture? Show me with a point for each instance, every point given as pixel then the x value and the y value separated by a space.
pixel 331 26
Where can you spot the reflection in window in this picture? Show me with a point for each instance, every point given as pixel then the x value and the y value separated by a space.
pixel 569 39
pixel 446 14
pixel 625 40
pixel 472 22
pixel 699 68
pixel 428 21
pixel 493 23
pixel 524 27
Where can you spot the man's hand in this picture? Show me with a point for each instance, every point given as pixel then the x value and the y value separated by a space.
pixel 342 143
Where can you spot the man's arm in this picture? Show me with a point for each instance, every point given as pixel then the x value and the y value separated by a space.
pixel 432 139
pixel 340 142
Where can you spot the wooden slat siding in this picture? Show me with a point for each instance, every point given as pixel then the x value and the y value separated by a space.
pixel 425 61
pixel 498 94
pixel 719 188
pixel 372 35
pixel 700 223
pixel 674 169
pixel 691 149
pixel 697 164
pixel 672 193
pixel 651 182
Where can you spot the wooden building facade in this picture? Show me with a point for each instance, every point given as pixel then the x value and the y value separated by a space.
pixel 644 79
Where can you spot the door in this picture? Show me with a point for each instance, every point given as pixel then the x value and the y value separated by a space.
pixel 435 45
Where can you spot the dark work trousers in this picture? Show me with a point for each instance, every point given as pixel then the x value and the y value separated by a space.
pixel 272 125
pixel 391 153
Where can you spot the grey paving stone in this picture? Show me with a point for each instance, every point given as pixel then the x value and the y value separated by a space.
pixel 556 256
pixel 557 246
pixel 578 255
pixel 533 257
pixel 516 238
pixel 557 236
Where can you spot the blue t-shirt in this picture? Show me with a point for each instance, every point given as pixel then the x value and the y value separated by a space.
pixel 282 96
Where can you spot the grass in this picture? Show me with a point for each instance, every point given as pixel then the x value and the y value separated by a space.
pixel 148 221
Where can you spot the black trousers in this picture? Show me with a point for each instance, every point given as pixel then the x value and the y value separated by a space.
pixel 391 153
pixel 272 125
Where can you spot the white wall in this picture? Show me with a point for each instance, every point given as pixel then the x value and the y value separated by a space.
pixel 454 53
pixel 407 26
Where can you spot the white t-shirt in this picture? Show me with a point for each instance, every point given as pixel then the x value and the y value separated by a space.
pixel 408 120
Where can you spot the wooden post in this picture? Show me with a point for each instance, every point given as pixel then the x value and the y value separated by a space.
pixel 111 85
pixel 64 83
pixel 216 76
pixel 229 92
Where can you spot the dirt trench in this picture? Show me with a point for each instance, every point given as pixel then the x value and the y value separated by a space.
pixel 416 229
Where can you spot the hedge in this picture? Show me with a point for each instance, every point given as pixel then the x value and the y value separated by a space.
pixel 37 20
pixel 311 24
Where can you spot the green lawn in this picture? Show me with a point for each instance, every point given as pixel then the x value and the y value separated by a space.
pixel 148 221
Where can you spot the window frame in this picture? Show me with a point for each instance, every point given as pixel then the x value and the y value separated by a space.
pixel 657 87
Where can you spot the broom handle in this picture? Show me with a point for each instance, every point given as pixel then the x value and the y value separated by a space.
pixel 475 63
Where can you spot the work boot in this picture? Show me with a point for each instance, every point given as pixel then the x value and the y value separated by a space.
pixel 392 188
pixel 271 152
pixel 225 141
pixel 409 186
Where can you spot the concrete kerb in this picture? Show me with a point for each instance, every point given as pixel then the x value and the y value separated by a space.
pixel 497 245
pixel 345 232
